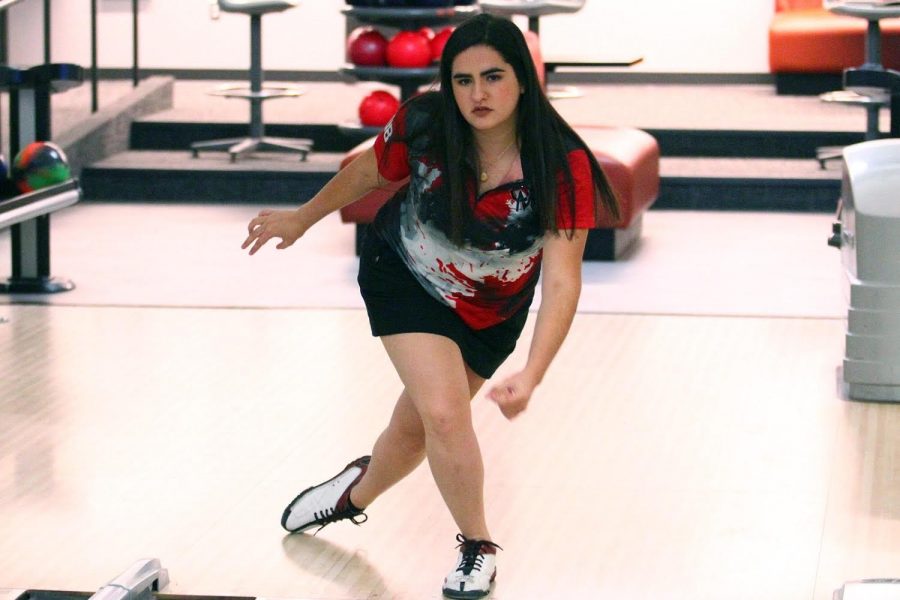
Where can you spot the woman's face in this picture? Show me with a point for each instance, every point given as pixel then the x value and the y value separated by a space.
pixel 485 88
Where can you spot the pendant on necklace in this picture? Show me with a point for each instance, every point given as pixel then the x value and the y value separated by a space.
pixel 483 176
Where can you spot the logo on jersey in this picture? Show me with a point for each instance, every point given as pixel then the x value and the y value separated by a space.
pixel 519 200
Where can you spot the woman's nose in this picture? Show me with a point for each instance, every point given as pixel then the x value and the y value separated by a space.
pixel 478 91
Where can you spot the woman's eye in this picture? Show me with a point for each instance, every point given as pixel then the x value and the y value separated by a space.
pixel 494 77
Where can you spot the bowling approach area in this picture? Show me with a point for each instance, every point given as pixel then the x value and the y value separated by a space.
pixel 695 437
pixel 690 441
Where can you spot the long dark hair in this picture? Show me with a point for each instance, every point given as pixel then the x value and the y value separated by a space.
pixel 542 132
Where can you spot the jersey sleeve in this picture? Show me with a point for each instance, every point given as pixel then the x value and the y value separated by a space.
pixel 393 158
pixel 584 194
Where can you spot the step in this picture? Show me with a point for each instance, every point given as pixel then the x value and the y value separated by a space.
pixel 155 134
pixel 783 184
pixel 174 175
pixel 749 143
pixel 686 183
pixel 151 134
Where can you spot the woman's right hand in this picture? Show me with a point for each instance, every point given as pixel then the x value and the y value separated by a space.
pixel 288 225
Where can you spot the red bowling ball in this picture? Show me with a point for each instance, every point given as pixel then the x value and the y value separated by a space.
pixel 409 50
pixel 366 47
pixel 377 109
pixel 437 43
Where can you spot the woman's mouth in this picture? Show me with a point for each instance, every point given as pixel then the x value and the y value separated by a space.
pixel 481 111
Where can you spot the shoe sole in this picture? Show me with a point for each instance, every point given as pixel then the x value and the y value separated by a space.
pixel 473 595
pixel 465 595
pixel 290 506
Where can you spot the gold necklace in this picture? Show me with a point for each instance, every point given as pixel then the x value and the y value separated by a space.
pixel 484 176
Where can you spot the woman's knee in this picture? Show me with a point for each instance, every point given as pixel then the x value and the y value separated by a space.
pixel 444 420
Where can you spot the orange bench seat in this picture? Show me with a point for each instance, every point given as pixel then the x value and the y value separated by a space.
pixel 806 40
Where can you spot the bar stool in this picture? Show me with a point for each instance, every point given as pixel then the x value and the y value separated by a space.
pixel 256 93
pixel 873 102
pixel 873 99
pixel 533 9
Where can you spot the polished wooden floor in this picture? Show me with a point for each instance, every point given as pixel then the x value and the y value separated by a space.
pixel 690 441
pixel 666 456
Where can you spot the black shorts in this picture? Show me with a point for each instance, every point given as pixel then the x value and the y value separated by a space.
pixel 397 303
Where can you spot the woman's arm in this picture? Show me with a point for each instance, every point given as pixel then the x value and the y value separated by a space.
pixel 348 185
pixel 560 289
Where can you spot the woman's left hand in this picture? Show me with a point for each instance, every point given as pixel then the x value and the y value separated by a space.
pixel 289 225
pixel 513 394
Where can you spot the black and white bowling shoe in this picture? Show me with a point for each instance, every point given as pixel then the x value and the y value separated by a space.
pixel 327 502
pixel 475 570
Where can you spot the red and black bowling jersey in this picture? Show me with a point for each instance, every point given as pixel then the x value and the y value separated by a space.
pixel 495 272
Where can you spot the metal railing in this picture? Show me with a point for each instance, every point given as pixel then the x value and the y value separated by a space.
pixel 135 70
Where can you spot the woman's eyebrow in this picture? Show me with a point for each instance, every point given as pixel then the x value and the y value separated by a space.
pixel 490 71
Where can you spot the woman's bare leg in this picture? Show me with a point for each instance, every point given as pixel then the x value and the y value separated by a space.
pixel 399 449
pixel 435 377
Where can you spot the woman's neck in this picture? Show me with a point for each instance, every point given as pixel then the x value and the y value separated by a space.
pixel 490 143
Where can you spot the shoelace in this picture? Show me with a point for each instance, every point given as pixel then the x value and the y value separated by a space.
pixel 330 515
pixel 472 556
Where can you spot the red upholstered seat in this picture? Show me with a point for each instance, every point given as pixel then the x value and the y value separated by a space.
pixel 629 157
